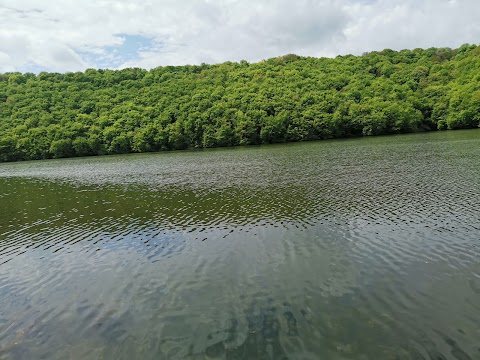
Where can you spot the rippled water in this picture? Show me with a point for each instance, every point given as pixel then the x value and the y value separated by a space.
pixel 350 249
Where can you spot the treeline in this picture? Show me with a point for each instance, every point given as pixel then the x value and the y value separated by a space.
pixel 289 98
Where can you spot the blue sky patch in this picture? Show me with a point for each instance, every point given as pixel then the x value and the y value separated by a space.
pixel 31 68
pixel 116 55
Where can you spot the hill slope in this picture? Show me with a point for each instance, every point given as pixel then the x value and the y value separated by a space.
pixel 289 98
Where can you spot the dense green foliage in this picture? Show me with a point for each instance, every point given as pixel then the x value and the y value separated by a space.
pixel 289 98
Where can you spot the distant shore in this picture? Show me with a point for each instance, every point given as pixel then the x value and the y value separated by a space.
pixel 284 99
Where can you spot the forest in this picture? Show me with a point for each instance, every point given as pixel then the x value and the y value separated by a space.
pixel 285 99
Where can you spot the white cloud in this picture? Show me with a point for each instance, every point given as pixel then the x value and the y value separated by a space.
pixel 69 35
pixel 410 24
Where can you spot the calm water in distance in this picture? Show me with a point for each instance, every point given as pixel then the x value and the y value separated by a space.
pixel 348 249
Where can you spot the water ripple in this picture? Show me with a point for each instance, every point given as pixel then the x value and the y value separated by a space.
pixel 350 249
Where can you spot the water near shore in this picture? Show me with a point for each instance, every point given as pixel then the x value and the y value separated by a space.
pixel 348 249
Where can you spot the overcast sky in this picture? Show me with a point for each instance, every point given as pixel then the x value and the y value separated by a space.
pixel 72 35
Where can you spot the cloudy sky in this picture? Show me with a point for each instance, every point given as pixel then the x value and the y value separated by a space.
pixel 72 35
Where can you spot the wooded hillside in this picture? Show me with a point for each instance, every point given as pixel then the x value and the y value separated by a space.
pixel 290 98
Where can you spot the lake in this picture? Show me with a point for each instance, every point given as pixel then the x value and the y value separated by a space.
pixel 363 248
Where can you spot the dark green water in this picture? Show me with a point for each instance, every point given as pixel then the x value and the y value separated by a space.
pixel 352 249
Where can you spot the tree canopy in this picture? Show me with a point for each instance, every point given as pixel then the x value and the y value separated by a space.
pixel 289 98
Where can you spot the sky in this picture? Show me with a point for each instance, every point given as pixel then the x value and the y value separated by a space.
pixel 73 35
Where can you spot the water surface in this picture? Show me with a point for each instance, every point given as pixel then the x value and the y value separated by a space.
pixel 347 249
